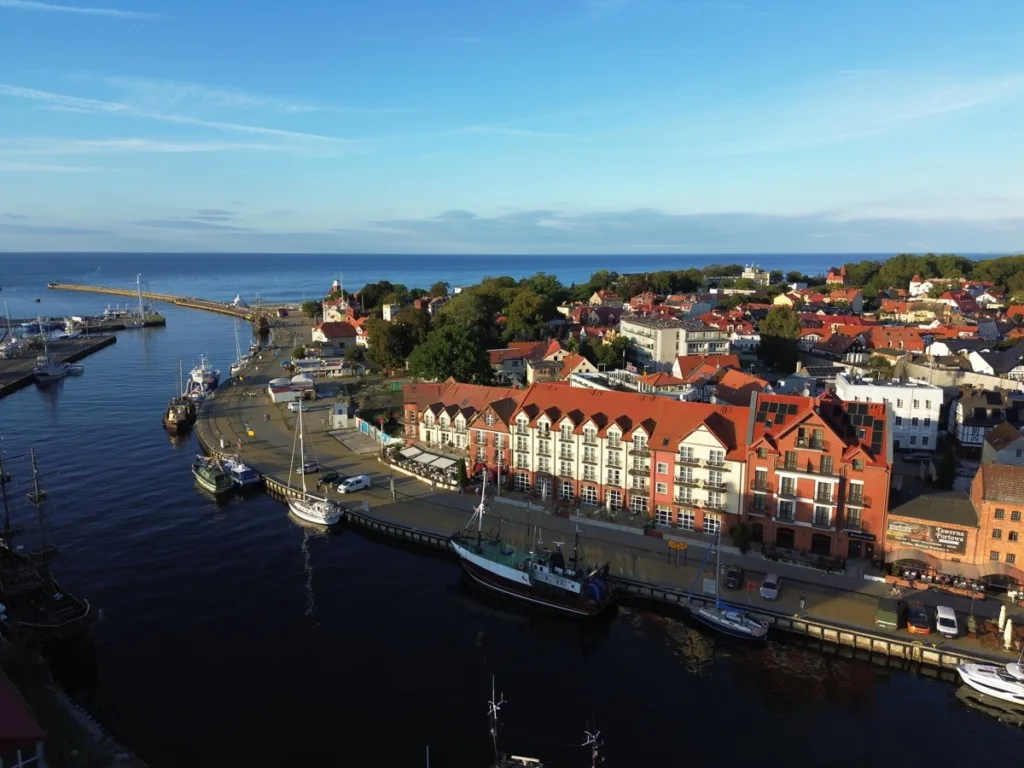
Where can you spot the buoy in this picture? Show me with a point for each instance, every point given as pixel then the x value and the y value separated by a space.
pixel 521 567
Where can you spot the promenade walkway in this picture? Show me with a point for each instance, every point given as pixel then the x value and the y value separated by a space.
pixel 243 406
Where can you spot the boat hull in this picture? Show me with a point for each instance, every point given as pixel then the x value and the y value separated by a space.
pixel 980 685
pixel 526 592
pixel 208 485
pixel 726 629
pixel 304 510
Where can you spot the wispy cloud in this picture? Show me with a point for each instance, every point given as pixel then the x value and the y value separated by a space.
pixel 6 167
pixel 191 224
pixel 120 109
pixel 48 146
pixel 503 130
pixel 32 5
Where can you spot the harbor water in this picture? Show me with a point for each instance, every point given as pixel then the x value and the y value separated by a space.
pixel 231 635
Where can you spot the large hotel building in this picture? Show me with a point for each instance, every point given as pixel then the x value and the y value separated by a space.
pixel 803 473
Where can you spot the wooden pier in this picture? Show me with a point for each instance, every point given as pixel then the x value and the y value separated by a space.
pixel 17 372
pixel 189 302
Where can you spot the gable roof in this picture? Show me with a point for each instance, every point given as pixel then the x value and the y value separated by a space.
pixel 1002 436
pixel 1001 482
pixel 337 330
pixel 735 387
pixel 688 364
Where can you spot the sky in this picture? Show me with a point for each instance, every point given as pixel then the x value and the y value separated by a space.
pixel 512 126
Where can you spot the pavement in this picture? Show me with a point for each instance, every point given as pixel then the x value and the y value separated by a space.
pixel 243 407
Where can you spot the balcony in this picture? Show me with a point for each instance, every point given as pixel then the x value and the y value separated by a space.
pixel 688 462
pixel 565 438
pixel 856 525
pixel 761 485
pixel 716 505
pixel 821 522
pixel 824 498
pixel 640 472
pixel 543 435
pixel 787 492
pixel 758 511
pixel 690 482
pixel 522 448
pixel 714 486
pixel 809 444
pixel 614 463
pixel 613 446
pixel 860 501
pixel 590 460
pixel 645 451
pixel 543 450
pixel 805 468
pixel 785 517
pixel 686 502
pixel 565 455
pixel 589 440
pixel 521 430
pixel 718 466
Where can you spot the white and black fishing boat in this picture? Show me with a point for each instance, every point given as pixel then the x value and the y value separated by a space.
pixel 210 476
pixel 543 578
pixel 35 607
pixel 204 376
pixel 313 509
pixel 721 617
pixel 1000 681
pixel 242 475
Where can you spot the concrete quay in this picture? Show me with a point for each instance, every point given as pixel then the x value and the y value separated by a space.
pixel 838 610
pixel 189 302
pixel 17 373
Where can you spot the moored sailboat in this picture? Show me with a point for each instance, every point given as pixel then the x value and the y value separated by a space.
pixel 721 617
pixel 542 578
pixel 312 509
pixel 241 361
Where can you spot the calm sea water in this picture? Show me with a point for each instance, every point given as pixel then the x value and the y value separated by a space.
pixel 232 636
pixel 275 278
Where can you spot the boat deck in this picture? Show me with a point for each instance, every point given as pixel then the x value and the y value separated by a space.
pixel 503 554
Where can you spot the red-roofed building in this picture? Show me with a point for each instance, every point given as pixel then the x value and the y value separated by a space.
pixel 836 276
pixel 818 475
pixel 605 298
pixel 852 297
pixel 960 301
pixel 21 737
pixel 341 335
pixel 886 337
pixel 660 382
pixel 732 387
pixel 687 366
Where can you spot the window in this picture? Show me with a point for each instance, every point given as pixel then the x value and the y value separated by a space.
pixel 639 443
pixel 717 458
pixel 759 505
pixel 589 495
pixel 899 421
pixel 1012 536
pixel 685 453
pixel 993 555
pixel 661 468
pixel 716 479
pixel 637 503
pixel 1000 514
pixel 785 510
pixel 853 519
pixel 589 473
pixel 997 533
pixel 899 403
pixel 927 421
pixel 823 492
pixel 760 479
pixel 590 436
pixel 522 444
pixel 640 483
pixel 613 440
pixel 522 481
pixel 913 439
pixel 788 487
pixel 428 419
pixel 826 465
pixel 662 515
pixel 543 428
pixel 790 462
pixel 481 454
pixel 684 495
pixel 762 453
pixel 590 455
pixel 544 464
pixel 924 440
pixel 856 493
pixel 640 464
pixel 566 432
pixel 565 468
pixel 858 465
pixel 1011 558
pixel 522 462
pixel 913 422
pixel 712 525
pixel 489 419
pixel 565 490
pixel 822 516
pixel 917 404
pixel 614 477
pixel 614 499
pixel 927 403
pixel 686 520
pixel 661 487
pixel 1015 516
pixel 481 436
pixel 716 500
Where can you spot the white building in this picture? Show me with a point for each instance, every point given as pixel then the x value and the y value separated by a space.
pixel 914 405
pixel 755 273
pixel 388 311
pixel 658 341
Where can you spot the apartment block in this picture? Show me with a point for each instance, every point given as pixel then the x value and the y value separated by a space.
pixel 818 474
pixel 914 405
pixel 658 341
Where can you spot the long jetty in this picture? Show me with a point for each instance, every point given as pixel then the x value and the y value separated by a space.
pixel 189 302
pixel 17 372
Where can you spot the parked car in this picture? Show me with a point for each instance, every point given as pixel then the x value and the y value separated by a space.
pixel 890 613
pixel 328 477
pixel 296 406
pixel 770 587
pixel 946 623
pixel 918 621
pixel 733 577
pixel 309 467
pixel 357 483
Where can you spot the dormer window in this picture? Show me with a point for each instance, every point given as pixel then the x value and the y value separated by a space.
pixel 543 427
pixel 489 419
pixel 566 431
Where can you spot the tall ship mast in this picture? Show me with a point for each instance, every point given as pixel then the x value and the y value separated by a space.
pixel 542 578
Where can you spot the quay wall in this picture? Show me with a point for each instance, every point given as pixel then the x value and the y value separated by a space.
pixel 17 373
pixel 846 639
pixel 188 302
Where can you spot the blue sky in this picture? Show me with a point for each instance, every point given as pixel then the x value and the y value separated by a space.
pixel 500 126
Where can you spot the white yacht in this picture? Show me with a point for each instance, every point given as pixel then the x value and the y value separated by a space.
pixel 204 375
pixel 312 509
pixel 1000 681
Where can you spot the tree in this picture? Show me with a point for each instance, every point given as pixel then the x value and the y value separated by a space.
pixel 776 276
pixel 452 351
pixel 745 283
pixel 547 286
pixel 779 332
pixel 388 344
pixel 310 309
pixel 612 355
pixel 794 276
pixel 417 325
pixel 467 309
pixel 373 293
pixel 461 476
pixel 440 288
pixel 354 354
pixel 298 353
pixel 527 316
pixel 945 474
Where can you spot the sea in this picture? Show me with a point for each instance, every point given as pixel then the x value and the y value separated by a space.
pixel 232 636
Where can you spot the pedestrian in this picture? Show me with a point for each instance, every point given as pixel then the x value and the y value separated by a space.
pixel 460 490
pixel 803 602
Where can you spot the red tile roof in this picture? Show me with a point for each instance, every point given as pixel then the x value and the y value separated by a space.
pixel 337 330
pixel 736 387
pixel 688 364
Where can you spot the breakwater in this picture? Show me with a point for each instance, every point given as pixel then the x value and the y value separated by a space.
pixel 17 372
pixel 189 302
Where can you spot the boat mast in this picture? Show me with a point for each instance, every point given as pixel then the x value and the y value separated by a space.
pixel 37 497
pixel 302 453
pixel 493 707
pixel 4 479
pixel 142 309
pixel 718 568
pixel 593 740
pixel 181 380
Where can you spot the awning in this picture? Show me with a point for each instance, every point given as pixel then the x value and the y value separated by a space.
pixel 443 463
pixel 993 568
pixel 409 453
pixel 913 556
pixel 966 570
pixel 425 458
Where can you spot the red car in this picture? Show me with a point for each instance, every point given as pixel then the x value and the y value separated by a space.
pixel 918 621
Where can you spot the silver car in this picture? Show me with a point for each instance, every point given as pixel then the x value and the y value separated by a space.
pixel 770 587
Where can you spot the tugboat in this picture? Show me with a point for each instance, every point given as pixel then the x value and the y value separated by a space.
pixel 210 476
pixel 181 411
pixel 542 578
pixel 36 607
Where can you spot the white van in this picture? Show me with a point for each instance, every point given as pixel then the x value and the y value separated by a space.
pixel 945 622
pixel 356 483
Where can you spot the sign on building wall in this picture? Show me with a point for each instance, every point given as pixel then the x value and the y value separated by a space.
pixel 924 536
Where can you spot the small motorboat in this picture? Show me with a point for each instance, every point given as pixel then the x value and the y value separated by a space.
pixel 210 476
pixel 1000 681
pixel 242 475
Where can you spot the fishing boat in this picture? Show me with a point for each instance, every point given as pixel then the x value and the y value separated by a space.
pixel 242 475
pixel 181 410
pixel 723 618
pixel 1000 681
pixel 204 376
pixel 210 476
pixel 542 578
pixel 49 368
pixel 312 509
pixel 36 607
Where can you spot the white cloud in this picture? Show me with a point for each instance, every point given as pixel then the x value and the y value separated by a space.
pixel 32 5
pixel 6 167
pixel 47 146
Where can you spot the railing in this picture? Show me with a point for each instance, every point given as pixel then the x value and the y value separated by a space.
pixel 543 450
pixel 807 469
pixel 719 466
pixel 590 460
pixel 565 438
pixel 758 511
pixel 810 444
pixel 858 501
pixel 821 522
pixel 690 502
pixel 639 452
pixel 614 463
pixel 613 446
pixel 716 505
pixel 589 440
pixel 690 481
pixel 522 448
pixel 567 455
pixel 520 430
pixel 715 486
pixel 787 492
pixel 785 517
pixel 543 435
pixel 761 485
pixel 824 498
pixel 855 524
pixel 690 462
pixel 640 471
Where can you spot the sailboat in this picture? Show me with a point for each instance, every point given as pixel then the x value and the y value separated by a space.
pixel 139 320
pixel 181 411
pixel 542 578
pixel 240 360
pixel 36 607
pixel 721 617
pixel 312 509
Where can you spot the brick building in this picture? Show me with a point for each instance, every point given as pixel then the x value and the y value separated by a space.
pixel 997 493
pixel 818 474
